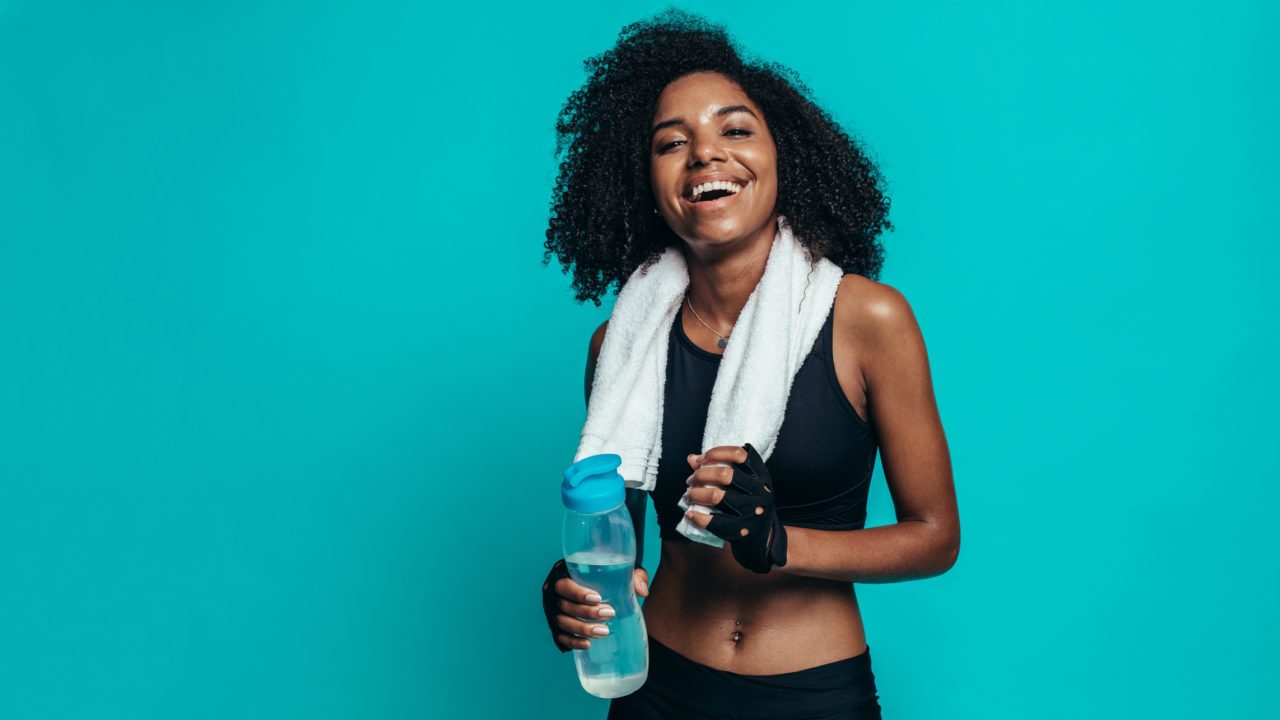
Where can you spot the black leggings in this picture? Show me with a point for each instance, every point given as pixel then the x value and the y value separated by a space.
pixel 678 687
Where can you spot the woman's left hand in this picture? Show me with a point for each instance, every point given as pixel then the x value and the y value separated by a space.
pixel 743 492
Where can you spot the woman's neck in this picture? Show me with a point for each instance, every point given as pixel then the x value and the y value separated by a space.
pixel 719 286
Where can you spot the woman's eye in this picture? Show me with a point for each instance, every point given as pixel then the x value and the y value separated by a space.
pixel 674 143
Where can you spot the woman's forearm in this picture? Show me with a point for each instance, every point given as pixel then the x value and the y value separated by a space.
pixel 636 504
pixel 908 550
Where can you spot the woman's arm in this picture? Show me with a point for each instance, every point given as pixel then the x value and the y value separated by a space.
pixel 913 449
pixel 636 505
pixel 913 452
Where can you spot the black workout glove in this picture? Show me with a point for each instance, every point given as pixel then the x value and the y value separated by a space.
pixel 749 522
pixel 551 600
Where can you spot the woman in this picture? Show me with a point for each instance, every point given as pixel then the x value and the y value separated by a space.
pixel 669 109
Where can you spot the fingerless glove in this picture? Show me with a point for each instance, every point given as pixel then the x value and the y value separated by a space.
pixel 551 600
pixel 748 520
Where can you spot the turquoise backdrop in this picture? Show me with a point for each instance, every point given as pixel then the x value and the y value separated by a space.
pixel 285 391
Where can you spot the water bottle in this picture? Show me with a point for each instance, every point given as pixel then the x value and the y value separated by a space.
pixel 600 551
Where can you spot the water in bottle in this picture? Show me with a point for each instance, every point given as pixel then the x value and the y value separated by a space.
pixel 600 551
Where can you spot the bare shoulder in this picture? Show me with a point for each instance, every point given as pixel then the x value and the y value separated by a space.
pixel 879 323
pixel 872 311
pixel 870 318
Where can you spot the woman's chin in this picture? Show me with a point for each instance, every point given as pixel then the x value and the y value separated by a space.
pixel 717 232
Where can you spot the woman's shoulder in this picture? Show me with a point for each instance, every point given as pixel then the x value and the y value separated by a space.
pixel 872 311
pixel 597 340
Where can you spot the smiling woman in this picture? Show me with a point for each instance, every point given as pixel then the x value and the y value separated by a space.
pixel 707 116
pixel 607 216
pixel 677 149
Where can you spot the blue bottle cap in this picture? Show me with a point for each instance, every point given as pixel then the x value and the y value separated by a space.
pixel 593 484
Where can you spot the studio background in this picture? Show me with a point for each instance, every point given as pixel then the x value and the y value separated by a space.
pixel 285 391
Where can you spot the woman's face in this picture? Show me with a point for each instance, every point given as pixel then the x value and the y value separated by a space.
pixel 706 130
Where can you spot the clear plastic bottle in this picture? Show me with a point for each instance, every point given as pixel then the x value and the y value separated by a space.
pixel 600 551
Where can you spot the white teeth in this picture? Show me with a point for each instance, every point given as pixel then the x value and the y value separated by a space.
pixel 727 185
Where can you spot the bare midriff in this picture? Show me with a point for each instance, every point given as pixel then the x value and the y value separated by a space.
pixel 710 609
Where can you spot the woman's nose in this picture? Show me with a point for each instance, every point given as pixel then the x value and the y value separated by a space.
pixel 707 150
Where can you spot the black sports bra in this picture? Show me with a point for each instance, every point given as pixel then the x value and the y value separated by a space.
pixel 821 465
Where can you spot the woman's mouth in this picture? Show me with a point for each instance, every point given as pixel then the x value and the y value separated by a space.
pixel 712 196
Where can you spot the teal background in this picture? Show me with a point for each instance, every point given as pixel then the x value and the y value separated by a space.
pixel 285 391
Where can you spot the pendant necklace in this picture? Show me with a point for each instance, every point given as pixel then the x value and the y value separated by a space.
pixel 719 343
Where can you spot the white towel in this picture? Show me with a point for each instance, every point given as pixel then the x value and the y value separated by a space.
pixel 770 340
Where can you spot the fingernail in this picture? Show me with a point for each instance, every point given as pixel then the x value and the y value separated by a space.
pixel 599 631
pixel 644 587
pixel 593 597
pixel 606 613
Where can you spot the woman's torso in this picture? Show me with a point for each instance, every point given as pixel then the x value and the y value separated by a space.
pixel 702 603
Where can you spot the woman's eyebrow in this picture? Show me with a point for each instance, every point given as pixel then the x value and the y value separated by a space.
pixel 727 110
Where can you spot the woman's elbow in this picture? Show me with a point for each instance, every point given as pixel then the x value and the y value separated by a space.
pixel 952 551
pixel 948 550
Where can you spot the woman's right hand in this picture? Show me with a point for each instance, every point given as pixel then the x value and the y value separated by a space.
pixel 571 608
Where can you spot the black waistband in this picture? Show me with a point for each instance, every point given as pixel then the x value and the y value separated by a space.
pixel 819 690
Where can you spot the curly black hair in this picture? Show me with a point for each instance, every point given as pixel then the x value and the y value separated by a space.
pixel 602 224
